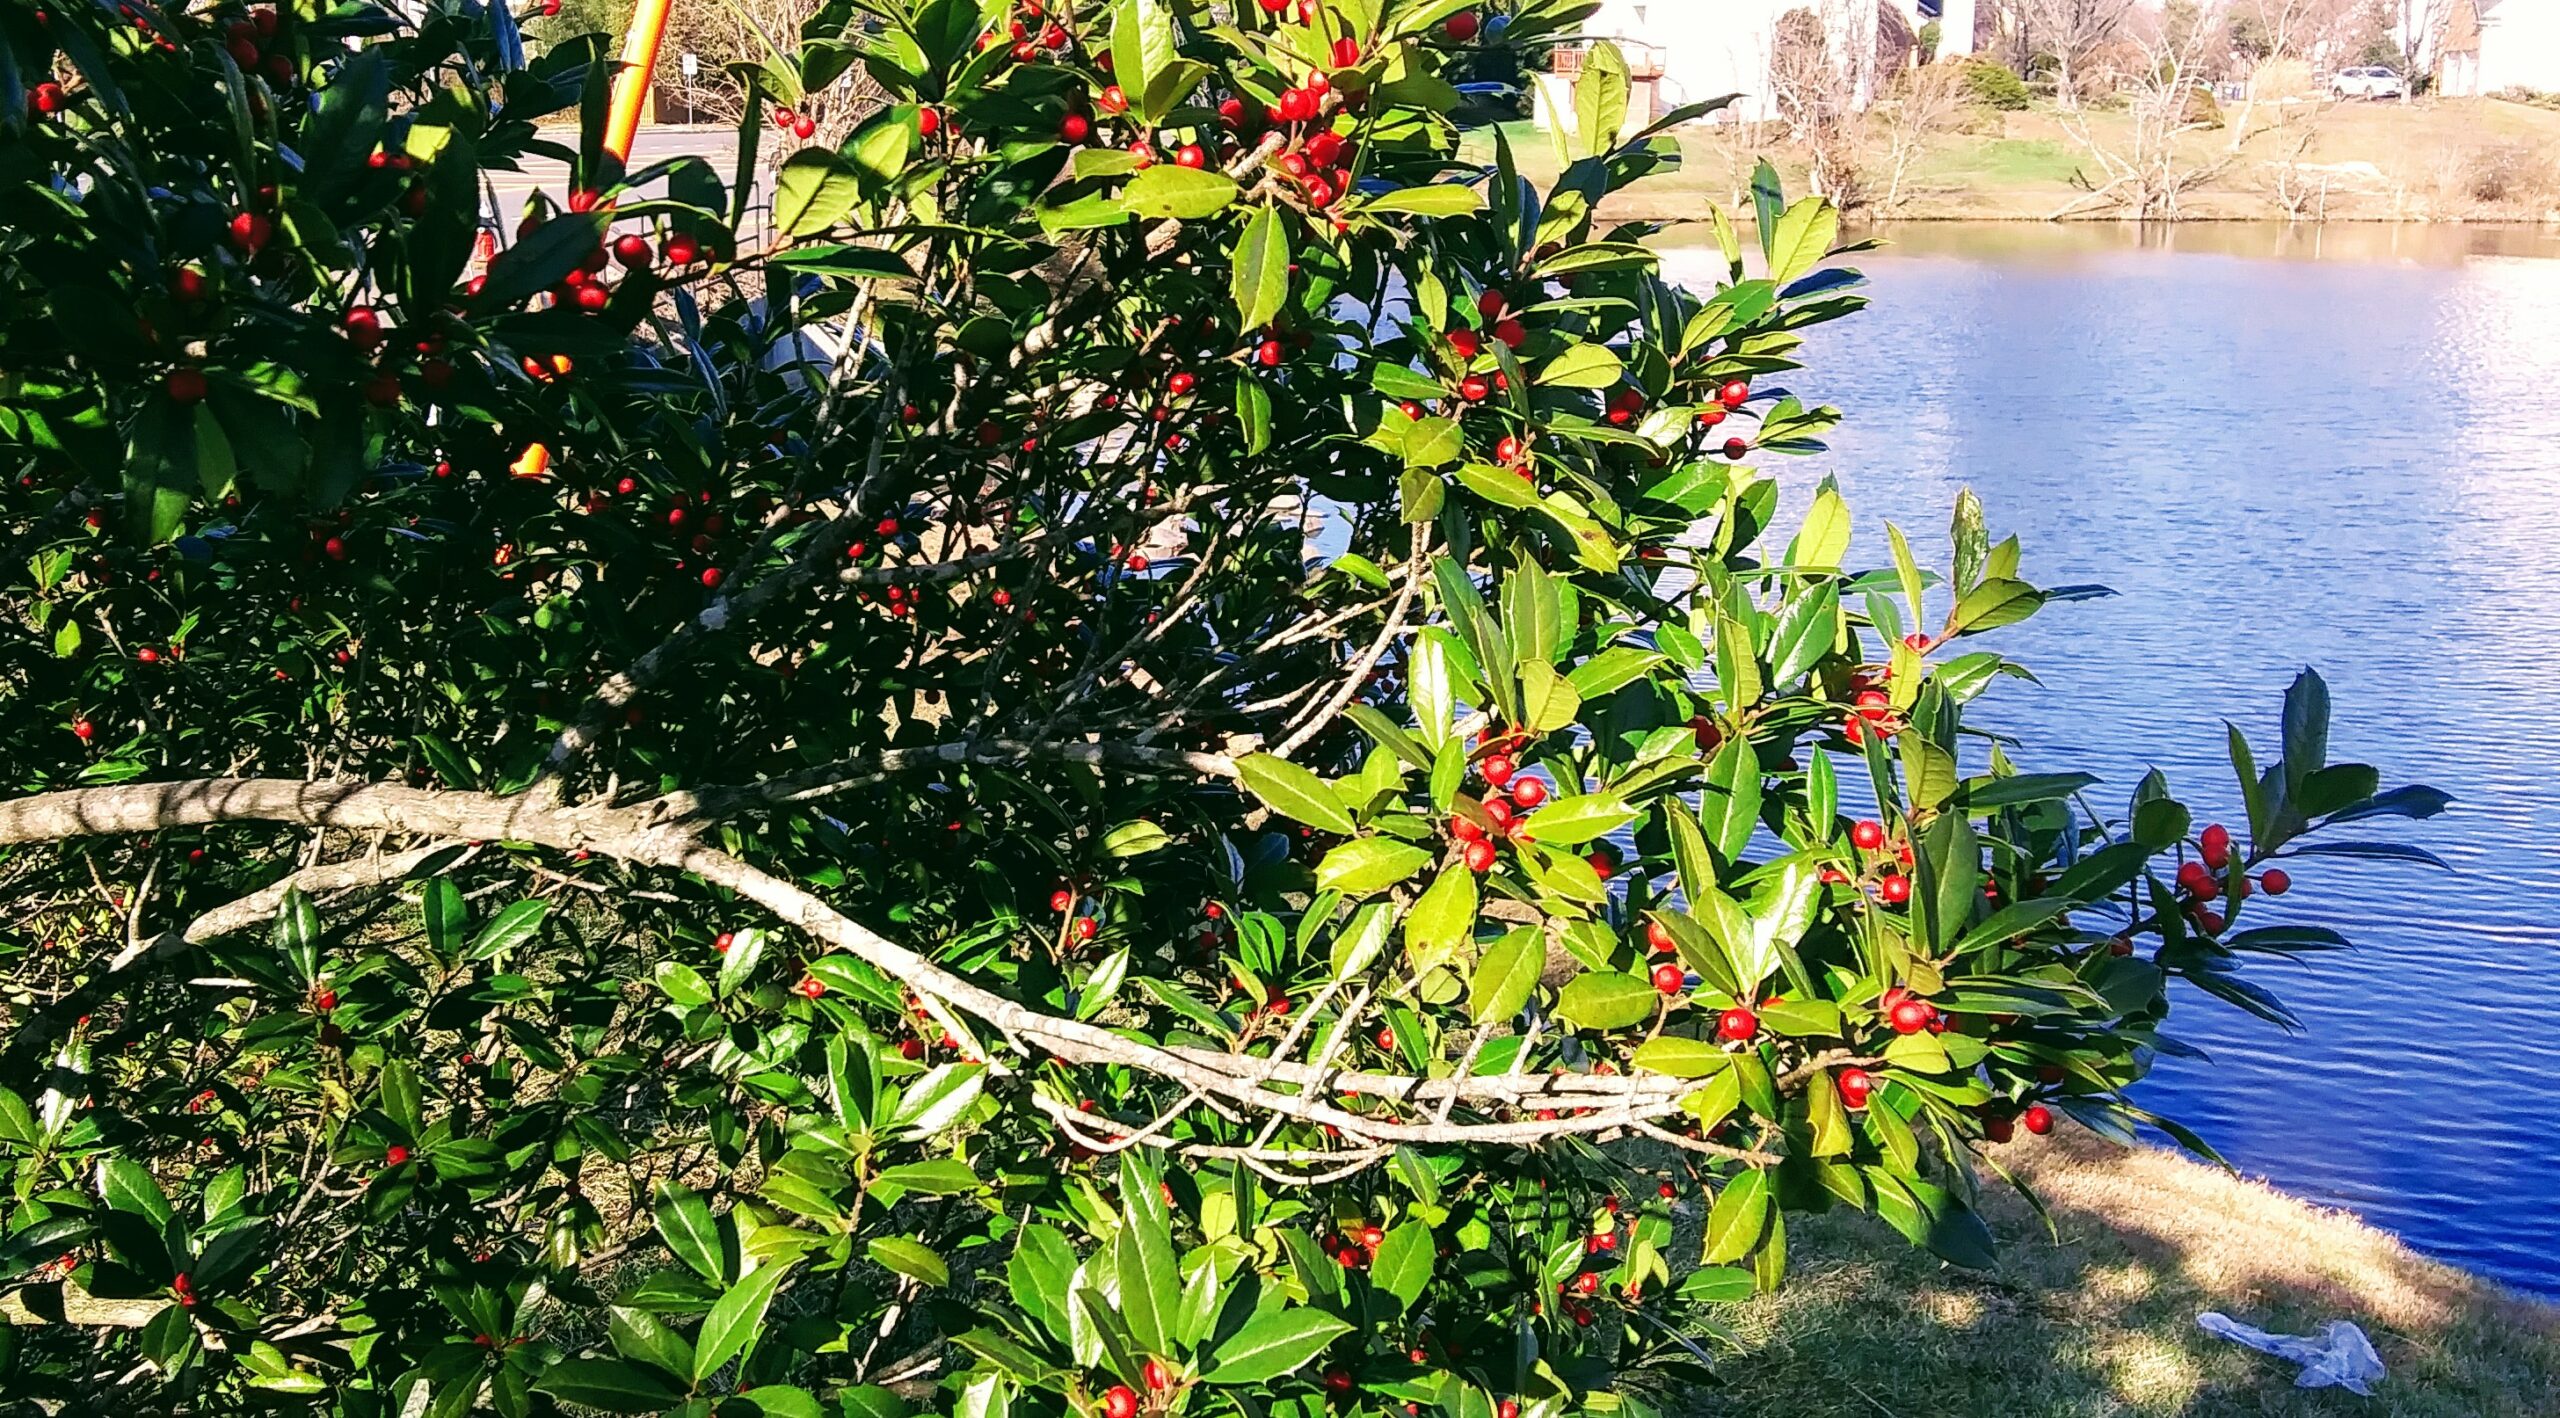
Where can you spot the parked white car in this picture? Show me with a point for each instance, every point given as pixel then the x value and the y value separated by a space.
pixel 2369 81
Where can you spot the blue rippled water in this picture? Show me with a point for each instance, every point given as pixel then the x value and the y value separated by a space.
pixel 2351 463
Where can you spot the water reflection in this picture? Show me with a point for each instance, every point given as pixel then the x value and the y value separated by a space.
pixel 2345 458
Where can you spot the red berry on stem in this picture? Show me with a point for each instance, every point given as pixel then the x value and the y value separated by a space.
pixel 1736 1023
pixel 1910 1016
pixel 1497 769
pixel 2275 882
pixel 185 386
pixel 1120 1401
pixel 1480 855
pixel 1158 1377
pixel 1462 27
pixel 1669 978
pixel 1868 834
pixel 2038 1119
pixel 1528 792
pixel 1855 1085
pixel 2215 846
pixel 1895 890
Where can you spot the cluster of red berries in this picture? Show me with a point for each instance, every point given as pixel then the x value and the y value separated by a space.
pixel 797 124
pixel 1999 1126
pixel 1868 836
pixel 1354 1247
pixel 1870 711
pixel 1668 975
pixel 1500 773
pixel 1030 32
pixel 2209 877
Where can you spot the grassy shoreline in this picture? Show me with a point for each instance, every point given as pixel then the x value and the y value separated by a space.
pixel 2098 1317
pixel 2439 161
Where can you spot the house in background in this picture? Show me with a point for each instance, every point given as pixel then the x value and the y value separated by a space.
pixel 2490 46
pixel 1687 51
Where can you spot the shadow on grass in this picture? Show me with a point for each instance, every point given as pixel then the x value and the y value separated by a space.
pixel 2101 1321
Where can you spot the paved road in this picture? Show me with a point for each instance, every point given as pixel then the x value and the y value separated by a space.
pixel 718 146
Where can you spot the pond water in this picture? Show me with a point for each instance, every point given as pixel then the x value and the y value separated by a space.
pixel 2338 449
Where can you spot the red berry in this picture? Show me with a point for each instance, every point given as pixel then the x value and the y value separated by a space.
pixel 1733 394
pixel 1467 343
pixel 1735 447
pixel 680 250
pixel 1498 768
pixel 633 251
pixel 1120 1401
pixel 2038 1119
pixel 928 120
pixel 2215 846
pixel 1462 27
pixel 1112 100
pixel 1511 332
pixel 1157 1376
pixel 382 390
pixel 1669 978
pixel 1346 52
pixel 1190 155
pixel 394 1155
pixel 1474 389
pixel 1868 834
pixel 1910 1016
pixel 583 200
pixel 1084 927
pixel 1998 1129
pixel 711 578
pixel 1659 939
pixel 1465 829
pixel 1895 890
pixel 185 386
pixel 1736 1023
pixel 1480 855
pixel 84 729
pixel 1062 900
pixel 335 548
pixel 810 987
pixel 1075 127
pixel 1855 1086
pixel 187 284
pixel 2276 882
pixel 1528 792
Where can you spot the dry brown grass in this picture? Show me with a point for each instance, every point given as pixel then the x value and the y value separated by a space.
pixel 2101 1320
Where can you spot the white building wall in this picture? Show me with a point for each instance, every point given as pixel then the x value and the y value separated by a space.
pixel 1708 48
pixel 2520 46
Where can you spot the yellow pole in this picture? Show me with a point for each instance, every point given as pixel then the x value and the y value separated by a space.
pixel 631 85
pixel 621 125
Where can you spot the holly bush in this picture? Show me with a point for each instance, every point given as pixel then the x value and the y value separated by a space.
pixel 1132 743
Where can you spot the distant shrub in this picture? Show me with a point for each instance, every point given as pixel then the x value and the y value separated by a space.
pixel 2507 172
pixel 1993 84
pixel 2538 98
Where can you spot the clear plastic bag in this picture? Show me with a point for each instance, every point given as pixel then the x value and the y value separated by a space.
pixel 2340 1356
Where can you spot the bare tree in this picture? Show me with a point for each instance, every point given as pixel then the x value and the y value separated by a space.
pixel 2416 27
pixel 2146 168
pixel 2068 32
pixel 1922 105
pixel 1816 85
